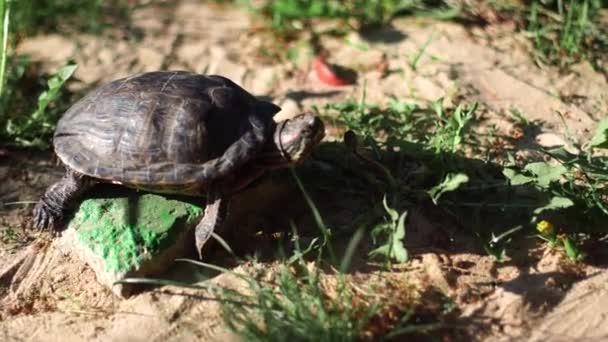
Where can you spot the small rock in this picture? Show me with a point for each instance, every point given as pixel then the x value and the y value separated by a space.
pixel 130 236
pixel 553 140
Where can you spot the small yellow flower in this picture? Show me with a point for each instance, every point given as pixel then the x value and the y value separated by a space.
pixel 545 227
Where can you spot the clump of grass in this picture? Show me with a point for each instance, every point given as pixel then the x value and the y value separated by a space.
pixel 286 12
pixel 67 15
pixel 297 301
pixel 289 15
pixel 567 31
pixel 297 308
pixel 399 124
pixel 35 129
pixel 563 32
pixel 388 141
pixel 495 198
pixel 19 124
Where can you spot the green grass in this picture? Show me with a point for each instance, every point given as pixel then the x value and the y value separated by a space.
pixel 297 308
pixel 497 198
pixel 292 15
pixel 5 16
pixel 30 106
pixel 67 16
pixel 400 124
pixel 35 129
pixel 563 32
pixel 297 301
pixel 294 301
pixel 386 143
pixel 568 31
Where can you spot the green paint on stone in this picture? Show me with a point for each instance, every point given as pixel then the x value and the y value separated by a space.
pixel 103 225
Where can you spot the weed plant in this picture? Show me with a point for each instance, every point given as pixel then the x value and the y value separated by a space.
pixel 566 189
pixel 29 108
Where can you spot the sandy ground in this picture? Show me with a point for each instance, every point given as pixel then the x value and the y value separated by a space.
pixel 535 295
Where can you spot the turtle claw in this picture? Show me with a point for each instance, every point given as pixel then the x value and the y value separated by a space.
pixel 213 218
pixel 202 234
pixel 44 218
pixel 40 217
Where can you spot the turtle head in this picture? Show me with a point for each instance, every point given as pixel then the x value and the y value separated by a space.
pixel 293 141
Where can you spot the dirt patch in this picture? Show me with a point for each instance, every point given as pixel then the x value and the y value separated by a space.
pixel 533 295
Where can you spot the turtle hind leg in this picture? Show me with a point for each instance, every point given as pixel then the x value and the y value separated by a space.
pixel 213 219
pixel 58 199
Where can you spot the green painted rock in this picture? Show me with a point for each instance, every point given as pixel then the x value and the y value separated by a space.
pixel 130 236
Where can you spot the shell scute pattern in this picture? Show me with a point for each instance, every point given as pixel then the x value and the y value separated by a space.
pixel 152 130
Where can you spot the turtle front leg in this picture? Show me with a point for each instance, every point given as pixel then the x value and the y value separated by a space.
pixel 216 210
pixel 58 199
pixel 237 154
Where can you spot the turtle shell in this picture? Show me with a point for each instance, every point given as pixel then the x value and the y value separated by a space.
pixel 154 130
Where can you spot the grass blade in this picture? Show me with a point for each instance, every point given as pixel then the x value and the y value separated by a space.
pixel 317 216
pixel 6 7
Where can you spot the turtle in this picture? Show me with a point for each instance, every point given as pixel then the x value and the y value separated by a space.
pixel 172 132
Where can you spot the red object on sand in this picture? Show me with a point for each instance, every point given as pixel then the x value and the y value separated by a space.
pixel 326 74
